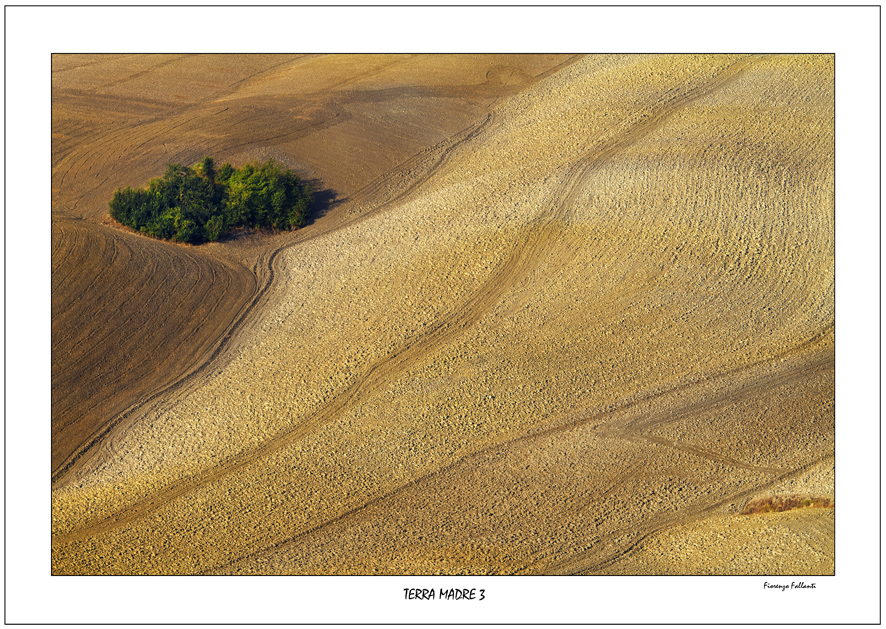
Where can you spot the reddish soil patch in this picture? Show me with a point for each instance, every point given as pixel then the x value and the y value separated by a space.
pixel 785 503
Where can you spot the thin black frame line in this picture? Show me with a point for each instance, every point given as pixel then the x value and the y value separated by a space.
pixel 880 312
pixel 5 258
pixel 313 576
pixel 451 624
pixel 449 6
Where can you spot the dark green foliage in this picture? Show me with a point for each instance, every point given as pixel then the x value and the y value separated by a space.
pixel 199 204
pixel 207 168
pixel 215 227
pixel 225 173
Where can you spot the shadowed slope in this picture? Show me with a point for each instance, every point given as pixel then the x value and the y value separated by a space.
pixel 108 346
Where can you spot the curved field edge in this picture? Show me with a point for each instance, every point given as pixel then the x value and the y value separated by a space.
pixel 108 349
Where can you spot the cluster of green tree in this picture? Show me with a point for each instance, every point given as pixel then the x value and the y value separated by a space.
pixel 199 204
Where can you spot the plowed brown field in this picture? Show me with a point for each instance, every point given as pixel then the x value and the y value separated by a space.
pixel 557 315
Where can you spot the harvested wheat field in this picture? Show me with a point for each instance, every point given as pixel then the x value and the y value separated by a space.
pixel 554 314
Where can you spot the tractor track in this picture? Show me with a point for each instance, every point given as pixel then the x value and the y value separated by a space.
pixel 630 429
pixel 592 560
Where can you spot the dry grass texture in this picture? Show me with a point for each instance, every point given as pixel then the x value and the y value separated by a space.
pixel 563 310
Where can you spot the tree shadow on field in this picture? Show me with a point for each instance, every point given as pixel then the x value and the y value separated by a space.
pixel 324 200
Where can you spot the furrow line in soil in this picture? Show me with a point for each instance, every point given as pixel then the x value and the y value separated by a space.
pixel 166 62
pixel 577 563
pixel 428 478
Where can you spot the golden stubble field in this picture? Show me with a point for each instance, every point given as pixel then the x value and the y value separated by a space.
pixel 557 315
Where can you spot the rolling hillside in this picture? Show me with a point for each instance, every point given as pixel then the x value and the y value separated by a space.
pixel 557 315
